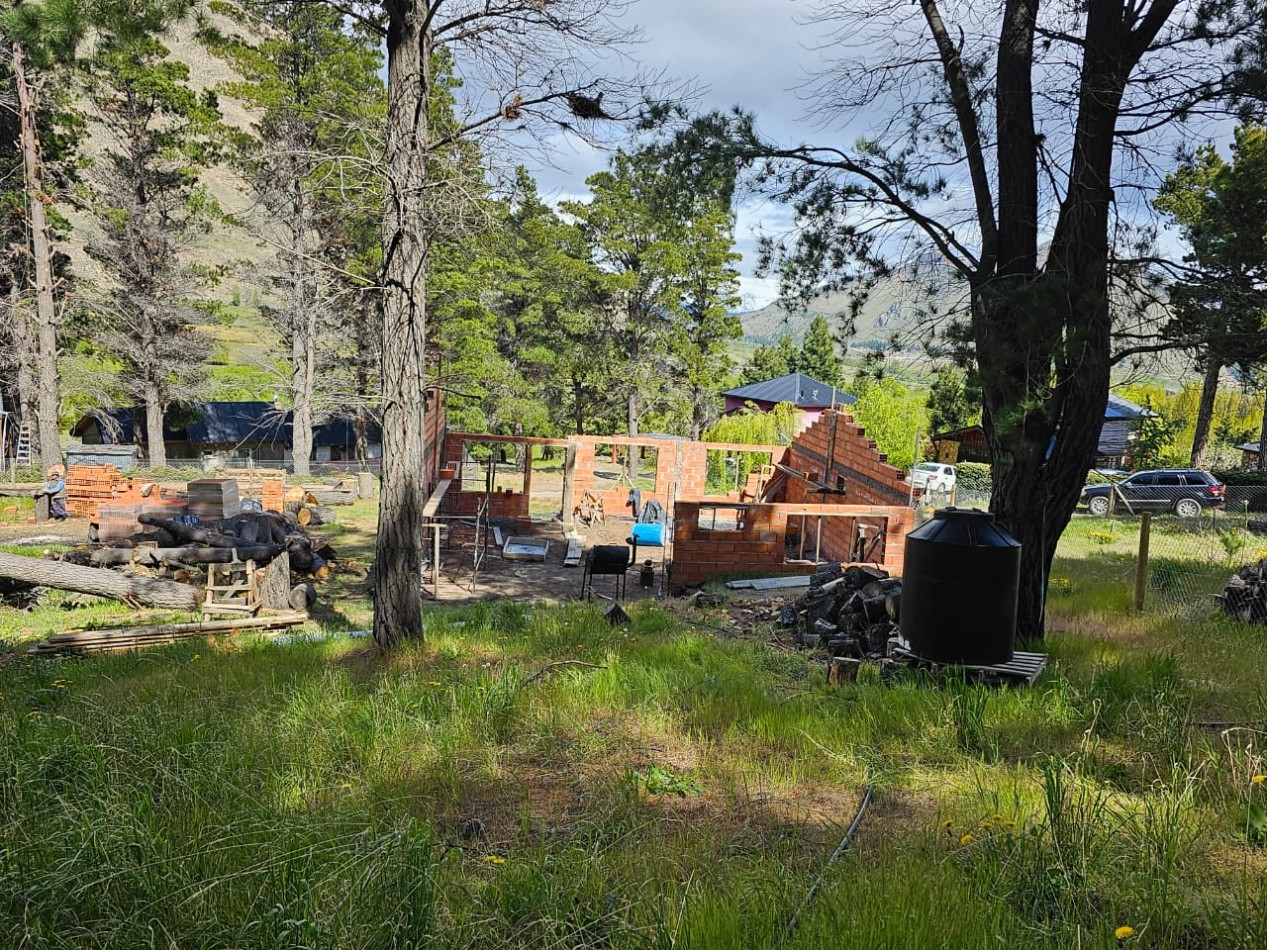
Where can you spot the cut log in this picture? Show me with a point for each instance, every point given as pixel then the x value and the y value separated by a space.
pixel 156 557
pixel 314 515
pixel 303 596
pixel 150 592
pixel 273 583
pixel 329 496
pixel 893 605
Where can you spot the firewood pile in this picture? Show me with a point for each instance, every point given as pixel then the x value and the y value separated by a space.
pixel 850 613
pixel 1245 594
pixel 164 563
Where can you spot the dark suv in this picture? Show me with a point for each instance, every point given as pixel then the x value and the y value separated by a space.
pixel 1185 491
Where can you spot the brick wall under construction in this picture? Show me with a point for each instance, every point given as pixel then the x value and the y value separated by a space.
pixel 836 450
pixel 724 540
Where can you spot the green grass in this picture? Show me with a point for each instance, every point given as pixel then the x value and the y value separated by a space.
pixel 679 789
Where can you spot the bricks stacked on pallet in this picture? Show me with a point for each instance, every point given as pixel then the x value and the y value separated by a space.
pixel 214 498
pixel 273 496
pixel 117 521
pixel 88 486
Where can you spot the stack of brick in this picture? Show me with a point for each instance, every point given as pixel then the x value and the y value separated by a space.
pixel 88 486
pixel 119 520
pixel 212 499
pixel 273 495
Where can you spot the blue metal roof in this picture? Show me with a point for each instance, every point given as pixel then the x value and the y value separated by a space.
pixel 1119 408
pixel 804 391
pixel 221 423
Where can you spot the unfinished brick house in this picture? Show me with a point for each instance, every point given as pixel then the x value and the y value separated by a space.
pixel 735 509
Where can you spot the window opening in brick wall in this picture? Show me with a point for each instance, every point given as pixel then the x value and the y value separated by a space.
pixel 730 471
pixel 625 466
pixel 721 517
pixel 492 466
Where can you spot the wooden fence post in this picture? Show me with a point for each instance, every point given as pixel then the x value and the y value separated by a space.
pixel 1141 564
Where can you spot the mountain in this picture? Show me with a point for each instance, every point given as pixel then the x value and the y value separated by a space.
pixel 895 310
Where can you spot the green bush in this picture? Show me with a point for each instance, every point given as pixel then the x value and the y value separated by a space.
pixel 972 477
pixel 1241 476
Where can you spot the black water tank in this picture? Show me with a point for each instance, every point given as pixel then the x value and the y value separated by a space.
pixel 959 587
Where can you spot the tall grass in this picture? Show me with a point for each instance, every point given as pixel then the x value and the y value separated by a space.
pixel 467 793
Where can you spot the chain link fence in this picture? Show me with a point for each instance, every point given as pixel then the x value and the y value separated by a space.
pixel 189 469
pixel 1177 547
pixel 1199 534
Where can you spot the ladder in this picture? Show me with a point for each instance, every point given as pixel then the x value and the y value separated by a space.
pixel 23 456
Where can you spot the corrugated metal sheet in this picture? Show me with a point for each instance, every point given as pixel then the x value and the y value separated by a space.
pixel 804 391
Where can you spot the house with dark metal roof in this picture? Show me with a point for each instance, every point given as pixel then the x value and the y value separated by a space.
pixel 1118 432
pixel 809 395
pixel 211 431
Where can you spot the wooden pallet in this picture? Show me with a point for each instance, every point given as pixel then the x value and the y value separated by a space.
pixel 1022 668
pixel 232 589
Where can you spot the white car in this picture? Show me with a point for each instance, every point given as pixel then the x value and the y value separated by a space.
pixel 934 477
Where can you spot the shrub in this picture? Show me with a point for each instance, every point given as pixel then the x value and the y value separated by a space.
pixel 1240 476
pixel 973 477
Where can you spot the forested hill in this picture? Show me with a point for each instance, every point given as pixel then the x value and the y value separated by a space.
pixel 891 311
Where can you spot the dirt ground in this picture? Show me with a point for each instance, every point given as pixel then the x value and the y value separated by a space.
pixel 548 580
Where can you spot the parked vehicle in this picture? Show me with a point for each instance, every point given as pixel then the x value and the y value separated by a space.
pixel 933 477
pixel 1185 491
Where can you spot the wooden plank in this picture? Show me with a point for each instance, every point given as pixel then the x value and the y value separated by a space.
pixel 572 557
pixel 771 583
pixel 432 507
pixel 497 537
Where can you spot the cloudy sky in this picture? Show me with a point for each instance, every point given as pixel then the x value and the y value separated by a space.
pixel 749 52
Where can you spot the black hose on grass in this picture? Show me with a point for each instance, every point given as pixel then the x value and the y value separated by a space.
pixel 840 849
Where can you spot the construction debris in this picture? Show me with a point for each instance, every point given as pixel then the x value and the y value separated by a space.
pixel 851 613
pixel 130 638
pixel 157 561
pixel 1245 594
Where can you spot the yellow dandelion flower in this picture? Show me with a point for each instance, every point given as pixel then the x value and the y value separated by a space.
pixel 435 683
pixel 987 825
pixel 1258 779
pixel 997 817
pixel 946 824
pixel 1009 823
pixel 494 859
pixel 196 656
pixel 965 839
pixel 1124 933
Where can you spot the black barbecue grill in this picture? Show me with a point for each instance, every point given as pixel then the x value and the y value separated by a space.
pixel 605 560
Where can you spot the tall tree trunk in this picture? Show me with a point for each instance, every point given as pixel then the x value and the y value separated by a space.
pixel 49 410
pixel 1045 388
pixel 398 551
pixel 303 329
pixel 1205 410
pixel 633 430
pixel 1261 463
pixel 155 446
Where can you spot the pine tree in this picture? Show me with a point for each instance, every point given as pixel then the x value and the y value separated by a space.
pixel 818 356
pixel 145 194
pixel 311 75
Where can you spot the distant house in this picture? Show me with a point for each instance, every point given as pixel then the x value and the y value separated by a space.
pixel 214 433
pixel 809 395
pixel 1118 433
